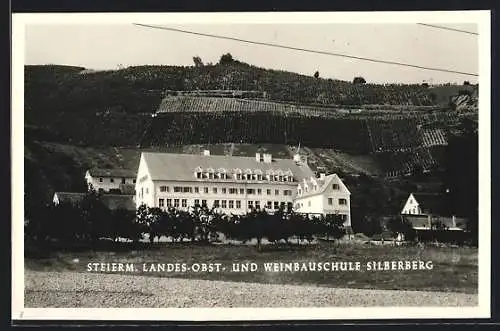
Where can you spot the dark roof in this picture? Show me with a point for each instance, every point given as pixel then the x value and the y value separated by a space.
pixel 432 203
pixel 116 201
pixel 101 172
pixel 72 197
pixel 112 201
pixel 170 166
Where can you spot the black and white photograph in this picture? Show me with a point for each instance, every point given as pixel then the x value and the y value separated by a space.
pixel 247 166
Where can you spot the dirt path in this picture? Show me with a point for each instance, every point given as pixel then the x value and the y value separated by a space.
pixel 71 289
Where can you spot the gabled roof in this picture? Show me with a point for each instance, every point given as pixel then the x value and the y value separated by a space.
pixel 432 203
pixel 180 167
pixel 101 172
pixel 112 201
pixel 322 185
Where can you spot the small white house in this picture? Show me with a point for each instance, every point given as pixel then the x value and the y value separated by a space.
pixel 325 195
pixel 106 180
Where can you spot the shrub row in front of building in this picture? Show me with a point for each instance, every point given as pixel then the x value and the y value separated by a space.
pixel 90 221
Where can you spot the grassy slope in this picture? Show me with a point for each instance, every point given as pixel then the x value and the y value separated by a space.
pixel 454 269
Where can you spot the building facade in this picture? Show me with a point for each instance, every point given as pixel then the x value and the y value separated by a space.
pixel 233 185
pixel 111 180
pixel 326 195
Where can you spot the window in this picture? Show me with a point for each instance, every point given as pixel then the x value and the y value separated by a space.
pixel 111 180
pixel 269 205
pixel 187 189
pixel 233 191
pixel 134 181
pixel 259 191
pixel 250 191
pixel 196 202
pixel 224 203
pixel 276 192
pixel 161 203
pixel 176 202
pixel 238 204
pixel 163 189
pixel 223 190
pixel 100 180
pixel 177 189
pixel 330 201
pixel 276 205
pixel 184 203
pixel 250 204
pixel 268 191
pixel 242 191
pixel 335 186
pixel 282 204
pixel 287 192
pixel 259 177
pixel 198 175
pixel 196 189
pixel 216 204
pixel 205 189
pixel 289 205
pixel 342 202
pixel 169 202
pixel 257 204
pixel 214 190
pixel 203 203
pixel 123 180
pixel 231 204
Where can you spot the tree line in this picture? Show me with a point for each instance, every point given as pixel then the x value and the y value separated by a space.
pixel 89 220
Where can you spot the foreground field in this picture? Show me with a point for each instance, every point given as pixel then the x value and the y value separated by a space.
pixel 71 289
pixel 453 269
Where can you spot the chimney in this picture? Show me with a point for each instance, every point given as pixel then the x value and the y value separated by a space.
pixel 257 157
pixel 268 158
pixel 206 152
pixel 296 158
pixel 322 176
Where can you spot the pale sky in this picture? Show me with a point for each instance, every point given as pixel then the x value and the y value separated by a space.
pixel 108 46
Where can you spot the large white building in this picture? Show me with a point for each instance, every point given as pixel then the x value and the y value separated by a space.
pixel 322 196
pixel 231 184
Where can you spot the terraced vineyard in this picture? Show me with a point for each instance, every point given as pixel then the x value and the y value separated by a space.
pixel 215 104
pixel 347 134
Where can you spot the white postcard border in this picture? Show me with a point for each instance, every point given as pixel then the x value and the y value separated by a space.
pixel 19 312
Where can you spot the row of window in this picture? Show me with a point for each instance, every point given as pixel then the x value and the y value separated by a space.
pixel 243 176
pixel 231 204
pixel 341 202
pixel 223 190
pixel 112 180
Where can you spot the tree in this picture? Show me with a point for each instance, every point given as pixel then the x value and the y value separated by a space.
pixel 466 82
pixel 197 61
pixel 95 215
pixel 316 74
pixel 226 59
pixel 400 225
pixel 358 80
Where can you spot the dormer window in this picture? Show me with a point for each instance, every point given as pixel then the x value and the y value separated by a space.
pixel 198 173
pixel 315 187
